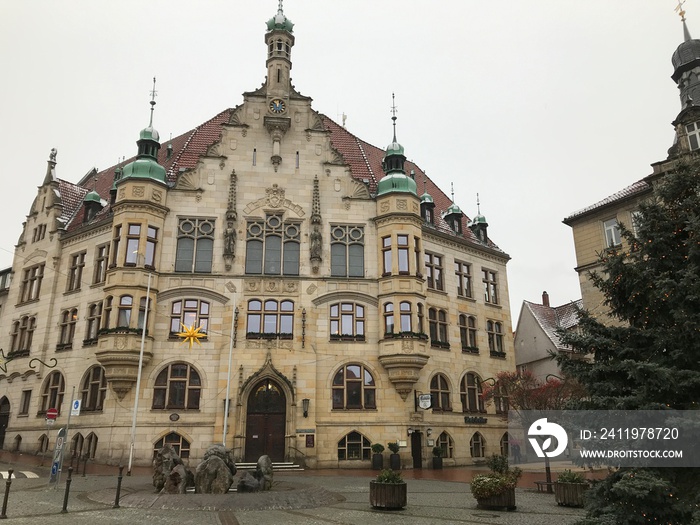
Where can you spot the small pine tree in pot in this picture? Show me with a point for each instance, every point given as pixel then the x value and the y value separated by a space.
pixel 377 457
pixel 437 458
pixel 394 458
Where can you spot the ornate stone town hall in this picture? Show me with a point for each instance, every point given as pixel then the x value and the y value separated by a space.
pixel 335 285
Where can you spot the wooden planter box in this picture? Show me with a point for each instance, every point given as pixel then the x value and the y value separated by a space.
pixel 387 495
pixel 569 494
pixel 503 501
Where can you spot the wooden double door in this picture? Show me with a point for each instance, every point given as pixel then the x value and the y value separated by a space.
pixel 266 422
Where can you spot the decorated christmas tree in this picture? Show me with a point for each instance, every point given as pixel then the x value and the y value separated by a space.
pixel 646 355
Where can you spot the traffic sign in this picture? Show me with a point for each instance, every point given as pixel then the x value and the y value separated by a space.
pixel 51 413
pixel 75 409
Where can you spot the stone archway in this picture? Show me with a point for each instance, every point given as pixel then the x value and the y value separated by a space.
pixel 266 421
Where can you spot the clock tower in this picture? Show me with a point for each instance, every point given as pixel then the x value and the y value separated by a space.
pixel 279 40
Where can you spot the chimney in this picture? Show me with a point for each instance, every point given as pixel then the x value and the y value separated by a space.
pixel 545 299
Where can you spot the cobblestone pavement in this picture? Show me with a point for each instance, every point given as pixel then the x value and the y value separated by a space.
pixel 310 497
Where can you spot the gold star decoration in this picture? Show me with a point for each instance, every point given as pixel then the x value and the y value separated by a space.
pixel 3 361
pixel 191 334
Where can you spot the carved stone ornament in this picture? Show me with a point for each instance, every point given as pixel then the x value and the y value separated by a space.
pixel 275 196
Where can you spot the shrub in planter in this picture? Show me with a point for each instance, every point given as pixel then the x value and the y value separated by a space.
pixel 437 458
pixel 496 490
pixel 569 489
pixel 394 458
pixel 388 491
pixel 377 457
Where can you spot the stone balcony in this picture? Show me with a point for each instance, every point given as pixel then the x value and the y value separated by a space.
pixel 404 355
pixel 118 352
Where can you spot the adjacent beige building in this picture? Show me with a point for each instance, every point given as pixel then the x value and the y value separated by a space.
pixel 596 227
pixel 331 293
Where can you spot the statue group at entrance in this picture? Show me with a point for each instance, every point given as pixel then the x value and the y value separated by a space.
pixel 214 475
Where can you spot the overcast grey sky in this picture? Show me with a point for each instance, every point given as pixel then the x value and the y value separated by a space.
pixel 541 106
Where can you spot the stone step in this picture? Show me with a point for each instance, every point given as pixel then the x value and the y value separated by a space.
pixel 276 467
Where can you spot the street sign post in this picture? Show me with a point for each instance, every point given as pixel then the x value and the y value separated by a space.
pixel 57 455
pixel 52 413
pixel 75 409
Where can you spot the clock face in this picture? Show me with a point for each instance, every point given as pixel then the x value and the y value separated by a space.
pixel 277 106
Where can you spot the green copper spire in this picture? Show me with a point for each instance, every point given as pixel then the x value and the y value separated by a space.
pixel 395 179
pixel 279 21
pixel 146 164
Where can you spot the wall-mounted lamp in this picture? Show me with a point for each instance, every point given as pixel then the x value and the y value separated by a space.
pixel 410 431
pixel 429 432
pixel 305 407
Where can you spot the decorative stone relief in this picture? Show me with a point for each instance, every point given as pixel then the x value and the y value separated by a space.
pixel 122 193
pixel 311 289
pixel 401 204
pixel 188 181
pixel 384 207
pixel 138 191
pixel 233 144
pixel 157 196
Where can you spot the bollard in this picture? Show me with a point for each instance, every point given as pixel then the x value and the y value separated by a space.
pixel 119 487
pixel 3 514
pixel 65 496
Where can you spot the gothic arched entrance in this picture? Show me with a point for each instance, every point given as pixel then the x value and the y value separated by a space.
pixel 4 419
pixel 265 422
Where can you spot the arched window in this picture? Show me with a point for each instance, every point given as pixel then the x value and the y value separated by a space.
pixel 440 393
pixel 500 399
pixel 67 329
pixel 471 394
pixel 405 316
pixel 52 392
pixel 477 445
pixel 438 328
pixel 505 445
pixel 178 443
pixel 124 316
pixel 467 334
pixel 177 386
pixel 272 246
pixel 388 318
pixel 354 388
pixel 76 445
pixel 270 320
pixel 195 246
pixel 189 312
pixel 93 323
pixel 347 251
pixel 94 389
pixel 354 446
pixel 107 312
pixel 23 333
pixel 90 446
pixel 495 335
pixel 43 443
pixel 347 321
pixel 445 442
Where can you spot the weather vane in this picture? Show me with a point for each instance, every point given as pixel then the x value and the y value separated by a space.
pixel 191 334
pixel 679 9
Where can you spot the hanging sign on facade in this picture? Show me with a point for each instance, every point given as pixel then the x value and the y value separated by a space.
pixel 425 401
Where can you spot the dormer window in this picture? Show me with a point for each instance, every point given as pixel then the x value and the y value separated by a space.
pixel 693 131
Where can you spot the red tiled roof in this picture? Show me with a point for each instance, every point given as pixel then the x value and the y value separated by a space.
pixel 365 162
pixel 553 318
pixel 638 187
pixel 364 159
